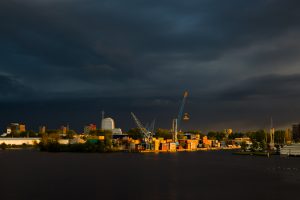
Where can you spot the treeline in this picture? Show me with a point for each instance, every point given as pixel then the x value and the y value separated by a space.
pixel 50 142
pixel 4 146
pixel 280 136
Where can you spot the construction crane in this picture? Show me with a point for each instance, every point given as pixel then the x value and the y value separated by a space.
pixel 177 121
pixel 147 135
pixel 152 126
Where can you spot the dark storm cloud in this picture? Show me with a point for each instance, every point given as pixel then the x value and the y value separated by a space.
pixel 146 53
pixel 265 87
pixel 12 88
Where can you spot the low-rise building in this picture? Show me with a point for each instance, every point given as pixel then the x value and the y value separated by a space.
pixel 91 127
pixel 20 141
pixel 15 128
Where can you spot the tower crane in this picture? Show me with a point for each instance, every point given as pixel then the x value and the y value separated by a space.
pixel 177 121
pixel 147 135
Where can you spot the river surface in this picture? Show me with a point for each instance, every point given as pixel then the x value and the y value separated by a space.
pixel 37 175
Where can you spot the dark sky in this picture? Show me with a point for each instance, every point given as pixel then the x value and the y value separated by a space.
pixel 63 61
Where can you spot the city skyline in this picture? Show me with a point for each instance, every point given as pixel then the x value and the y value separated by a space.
pixel 63 62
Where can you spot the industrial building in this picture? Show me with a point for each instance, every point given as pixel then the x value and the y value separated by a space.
pixel 108 124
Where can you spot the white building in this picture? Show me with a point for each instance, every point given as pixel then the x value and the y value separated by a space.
pixel 293 150
pixel 116 131
pixel 108 124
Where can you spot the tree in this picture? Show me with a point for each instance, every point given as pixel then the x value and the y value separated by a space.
pixel 244 146
pixel 236 135
pixel 211 135
pixel 163 133
pixel 3 146
pixel 29 133
pixel 215 135
pixel 258 136
pixel 135 133
pixel 254 146
pixel 263 145
pixel 53 137
pixel 96 132
pixel 70 134
pixel 50 131
pixel 279 136
pixel 108 138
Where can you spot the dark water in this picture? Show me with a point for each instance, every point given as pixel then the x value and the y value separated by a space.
pixel 200 175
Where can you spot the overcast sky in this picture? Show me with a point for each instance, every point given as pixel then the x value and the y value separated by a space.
pixel 64 61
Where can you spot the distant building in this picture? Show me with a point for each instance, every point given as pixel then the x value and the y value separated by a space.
pixel 91 127
pixel 116 131
pixel 191 136
pixel 107 124
pixel 15 128
pixel 288 136
pixel 8 130
pixel 206 142
pixel 64 129
pixel 42 129
pixel 239 141
pixel 22 128
pixel 296 132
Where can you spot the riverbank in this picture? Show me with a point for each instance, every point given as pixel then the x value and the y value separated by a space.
pixel 255 153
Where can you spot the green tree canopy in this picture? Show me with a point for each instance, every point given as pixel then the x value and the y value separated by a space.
pixel 163 133
pixel 279 137
pixel 215 135
pixel 135 133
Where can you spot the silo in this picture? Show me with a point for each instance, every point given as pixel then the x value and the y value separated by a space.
pixel 108 124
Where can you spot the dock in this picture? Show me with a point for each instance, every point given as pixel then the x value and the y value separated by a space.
pixel 290 150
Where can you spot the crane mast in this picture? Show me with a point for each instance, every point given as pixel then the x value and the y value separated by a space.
pixel 147 135
pixel 177 121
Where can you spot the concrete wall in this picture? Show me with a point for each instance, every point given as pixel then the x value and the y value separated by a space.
pixel 20 141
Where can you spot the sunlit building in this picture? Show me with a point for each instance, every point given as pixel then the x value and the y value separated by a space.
pixel 89 128
pixel 15 128
pixel 64 129
pixel 108 124
pixel 288 136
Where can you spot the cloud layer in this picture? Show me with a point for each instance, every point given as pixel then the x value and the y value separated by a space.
pixel 239 60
